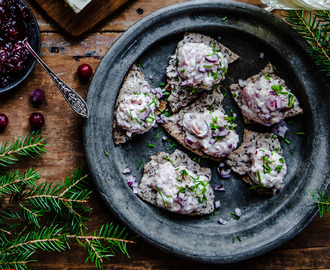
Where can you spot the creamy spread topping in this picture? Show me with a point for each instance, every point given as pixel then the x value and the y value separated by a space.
pixel 265 100
pixel 179 189
pixel 201 66
pixel 213 132
pixel 136 113
pixel 268 169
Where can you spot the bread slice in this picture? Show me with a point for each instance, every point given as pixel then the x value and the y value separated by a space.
pixel 133 83
pixel 181 97
pixel 208 101
pixel 148 187
pixel 236 90
pixel 240 159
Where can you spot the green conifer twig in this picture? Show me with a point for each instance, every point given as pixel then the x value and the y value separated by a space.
pixel 30 145
pixel 321 201
pixel 46 216
pixel 315 30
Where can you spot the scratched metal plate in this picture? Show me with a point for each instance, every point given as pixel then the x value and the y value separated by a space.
pixel 266 222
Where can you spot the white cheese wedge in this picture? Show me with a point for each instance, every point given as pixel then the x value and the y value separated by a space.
pixel 78 5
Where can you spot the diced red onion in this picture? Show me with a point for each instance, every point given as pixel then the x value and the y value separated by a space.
pixel 212 58
pixel 238 212
pixel 188 141
pixel 220 188
pixel 222 221
pixel 280 129
pixel 212 141
pixel 161 119
pixel 224 173
pixel 198 76
pixel 146 112
pixel 242 83
pixel 158 92
pixel 201 69
pixel 181 196
pixel 217 205
pixel 224 132
pixel 127 171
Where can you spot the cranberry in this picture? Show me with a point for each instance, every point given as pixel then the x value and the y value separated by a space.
pixel 85 71
pixel 3 121
pixel 37 96
pixel 36 120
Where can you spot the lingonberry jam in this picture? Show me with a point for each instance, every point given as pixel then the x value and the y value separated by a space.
pixel 13 54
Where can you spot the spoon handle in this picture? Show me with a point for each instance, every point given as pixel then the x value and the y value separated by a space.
pixel 76 102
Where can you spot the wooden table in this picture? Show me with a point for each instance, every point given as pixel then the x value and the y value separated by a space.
pixel 63 128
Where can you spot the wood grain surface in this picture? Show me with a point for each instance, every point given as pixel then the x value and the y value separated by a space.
pixel 63 129
pixel 76 24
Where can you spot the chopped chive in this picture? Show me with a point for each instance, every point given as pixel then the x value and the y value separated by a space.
pixel 139 165
pixel 142 65
pixel 267 76
pixel 291 151
pixel 143 110
pixel 182 70
pixel 137 120
pixel 161 85
pixel 130 113
pixel 287 141
pixel 259 177
pixel 137 93
pixel 150 145
pixel 224 18
pixel 300 133
pixel 152 81
pixel 168 159
pixel 239 238
pixel 165 203
pixel 106 153
pixel 258 186
pixel 234 240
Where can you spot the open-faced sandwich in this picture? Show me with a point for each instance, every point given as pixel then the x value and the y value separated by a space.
pixel 204 128
pixel 135 108
pixel 199 63
pixel 176 183
pixel 264 98
pixel 259 161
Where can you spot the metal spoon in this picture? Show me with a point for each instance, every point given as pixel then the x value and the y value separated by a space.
pixel 75 101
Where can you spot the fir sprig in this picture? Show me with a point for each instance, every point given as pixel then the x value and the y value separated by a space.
pixel 314 28
pixel 30 145
pixel 45 216
pixel 321 201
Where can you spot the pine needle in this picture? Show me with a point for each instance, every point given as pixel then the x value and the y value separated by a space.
pixel 321 201
pixel 31 145
pixel 315 30
pixel 47 216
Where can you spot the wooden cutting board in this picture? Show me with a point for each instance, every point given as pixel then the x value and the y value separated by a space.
pixel 77 24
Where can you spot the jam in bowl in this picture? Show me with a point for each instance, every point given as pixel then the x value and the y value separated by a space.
pixel 16 24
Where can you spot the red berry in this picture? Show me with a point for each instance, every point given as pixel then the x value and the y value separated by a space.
pixel 85 71
pixel 36 120
pixel 3 121
pixel 37 96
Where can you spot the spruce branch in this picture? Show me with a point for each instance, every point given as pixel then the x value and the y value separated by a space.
pixel 315 30
pixel 30 145
pixel 321 201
